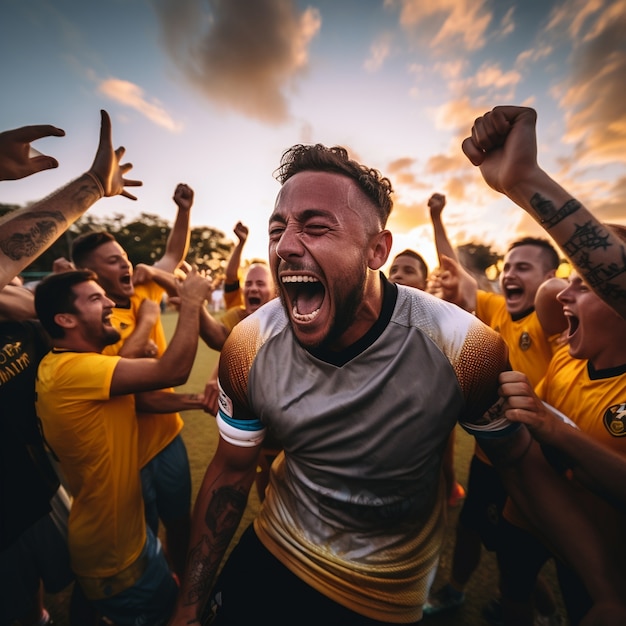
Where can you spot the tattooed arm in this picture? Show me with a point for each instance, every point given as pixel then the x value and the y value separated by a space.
pixel 217 512
pixel 27 232
pixel 504 144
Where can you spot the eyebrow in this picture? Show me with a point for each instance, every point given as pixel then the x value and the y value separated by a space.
pixel 303 216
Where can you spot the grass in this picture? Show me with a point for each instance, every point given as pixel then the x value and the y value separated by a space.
pixel 200 436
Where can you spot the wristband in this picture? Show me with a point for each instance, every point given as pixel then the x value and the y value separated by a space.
pixel 98 183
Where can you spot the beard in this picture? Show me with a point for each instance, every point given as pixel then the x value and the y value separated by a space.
pixel 347 304
pixel 111 336
pixel 347 299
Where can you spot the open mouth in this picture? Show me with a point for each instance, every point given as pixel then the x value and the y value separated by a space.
pixel 254 301
pixel 513 293
pixel 125 280
pixel 306 295
pixel 573 324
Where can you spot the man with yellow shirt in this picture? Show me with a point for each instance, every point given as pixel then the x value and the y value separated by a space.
pixel 87 403
pixel 528 264
pixel 587 383
pixel 163 457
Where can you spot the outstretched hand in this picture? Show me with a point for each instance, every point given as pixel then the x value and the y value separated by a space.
pixel 18 159
pixel 504 145
pixel 106 165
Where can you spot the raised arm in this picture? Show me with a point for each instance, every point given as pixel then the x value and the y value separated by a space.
pixel 178 240
pixel 436 204
pixel 172 369
pixel 212 332
pixel 503 144
pixel 27 232
pixel 234 261
pixel 138 343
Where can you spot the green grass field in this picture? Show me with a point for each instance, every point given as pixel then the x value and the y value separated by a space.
pixel 200 436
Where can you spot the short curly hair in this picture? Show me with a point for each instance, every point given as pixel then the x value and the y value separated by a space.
pixel 320 158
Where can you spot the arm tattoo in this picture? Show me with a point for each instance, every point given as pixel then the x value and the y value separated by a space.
pixel 586 238
pixel 222 518
pixel 546 212
pixel 600 276
pixel 40 230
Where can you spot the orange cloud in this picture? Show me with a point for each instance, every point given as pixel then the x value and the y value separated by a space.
pixel 132 96
pixel 444 23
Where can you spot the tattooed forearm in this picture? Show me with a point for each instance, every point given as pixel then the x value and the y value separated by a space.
pixel 600 276
pixel 38 232
pixel 548 215
pixel 222 519
pixel 202 569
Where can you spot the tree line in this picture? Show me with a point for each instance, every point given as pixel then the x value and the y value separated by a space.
pixel 143 237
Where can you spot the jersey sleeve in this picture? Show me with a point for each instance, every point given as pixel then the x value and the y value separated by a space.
pixel 483 357
pixel 235 421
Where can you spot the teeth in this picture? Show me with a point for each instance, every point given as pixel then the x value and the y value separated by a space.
pixel 309 317
pixel 299 279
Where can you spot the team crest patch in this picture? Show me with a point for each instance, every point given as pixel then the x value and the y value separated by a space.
pixel 615 420
pixel 524 341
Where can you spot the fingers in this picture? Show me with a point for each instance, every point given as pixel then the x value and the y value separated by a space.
pixel 105 130
pixel 43 162
pixel 449 265
pixel 128 195
pixel 475 154
pixel 37 131
pixel 488 132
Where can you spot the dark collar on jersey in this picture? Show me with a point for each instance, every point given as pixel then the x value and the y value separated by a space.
pixel 522 314
pixel 390 295
pixel 609 372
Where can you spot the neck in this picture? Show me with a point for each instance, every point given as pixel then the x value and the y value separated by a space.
pixel 76 344
pixel 366 315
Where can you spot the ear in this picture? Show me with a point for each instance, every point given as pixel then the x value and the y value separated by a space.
pixel 65 320
pixel 380 247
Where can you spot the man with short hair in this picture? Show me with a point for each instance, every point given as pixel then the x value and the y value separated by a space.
pixel 163 456
pixel 87 403
pixel 409 268
pixel 361 381
pixel 528 263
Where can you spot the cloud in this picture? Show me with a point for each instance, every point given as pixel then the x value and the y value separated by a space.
pixel 534 54
pixel 379 51
pixel 507 25
pixel 444 23
pixel 241 54
pixel 593 95
pixel 132 96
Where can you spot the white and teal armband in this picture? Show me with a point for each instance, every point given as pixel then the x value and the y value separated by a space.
pixel 243 433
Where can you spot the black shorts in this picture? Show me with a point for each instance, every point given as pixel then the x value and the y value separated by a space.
pixel 482 508
pixel 254 587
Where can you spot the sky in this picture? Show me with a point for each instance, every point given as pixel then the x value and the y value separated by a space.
pixel 212 92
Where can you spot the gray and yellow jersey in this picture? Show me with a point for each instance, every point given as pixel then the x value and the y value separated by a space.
pixel 355 501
